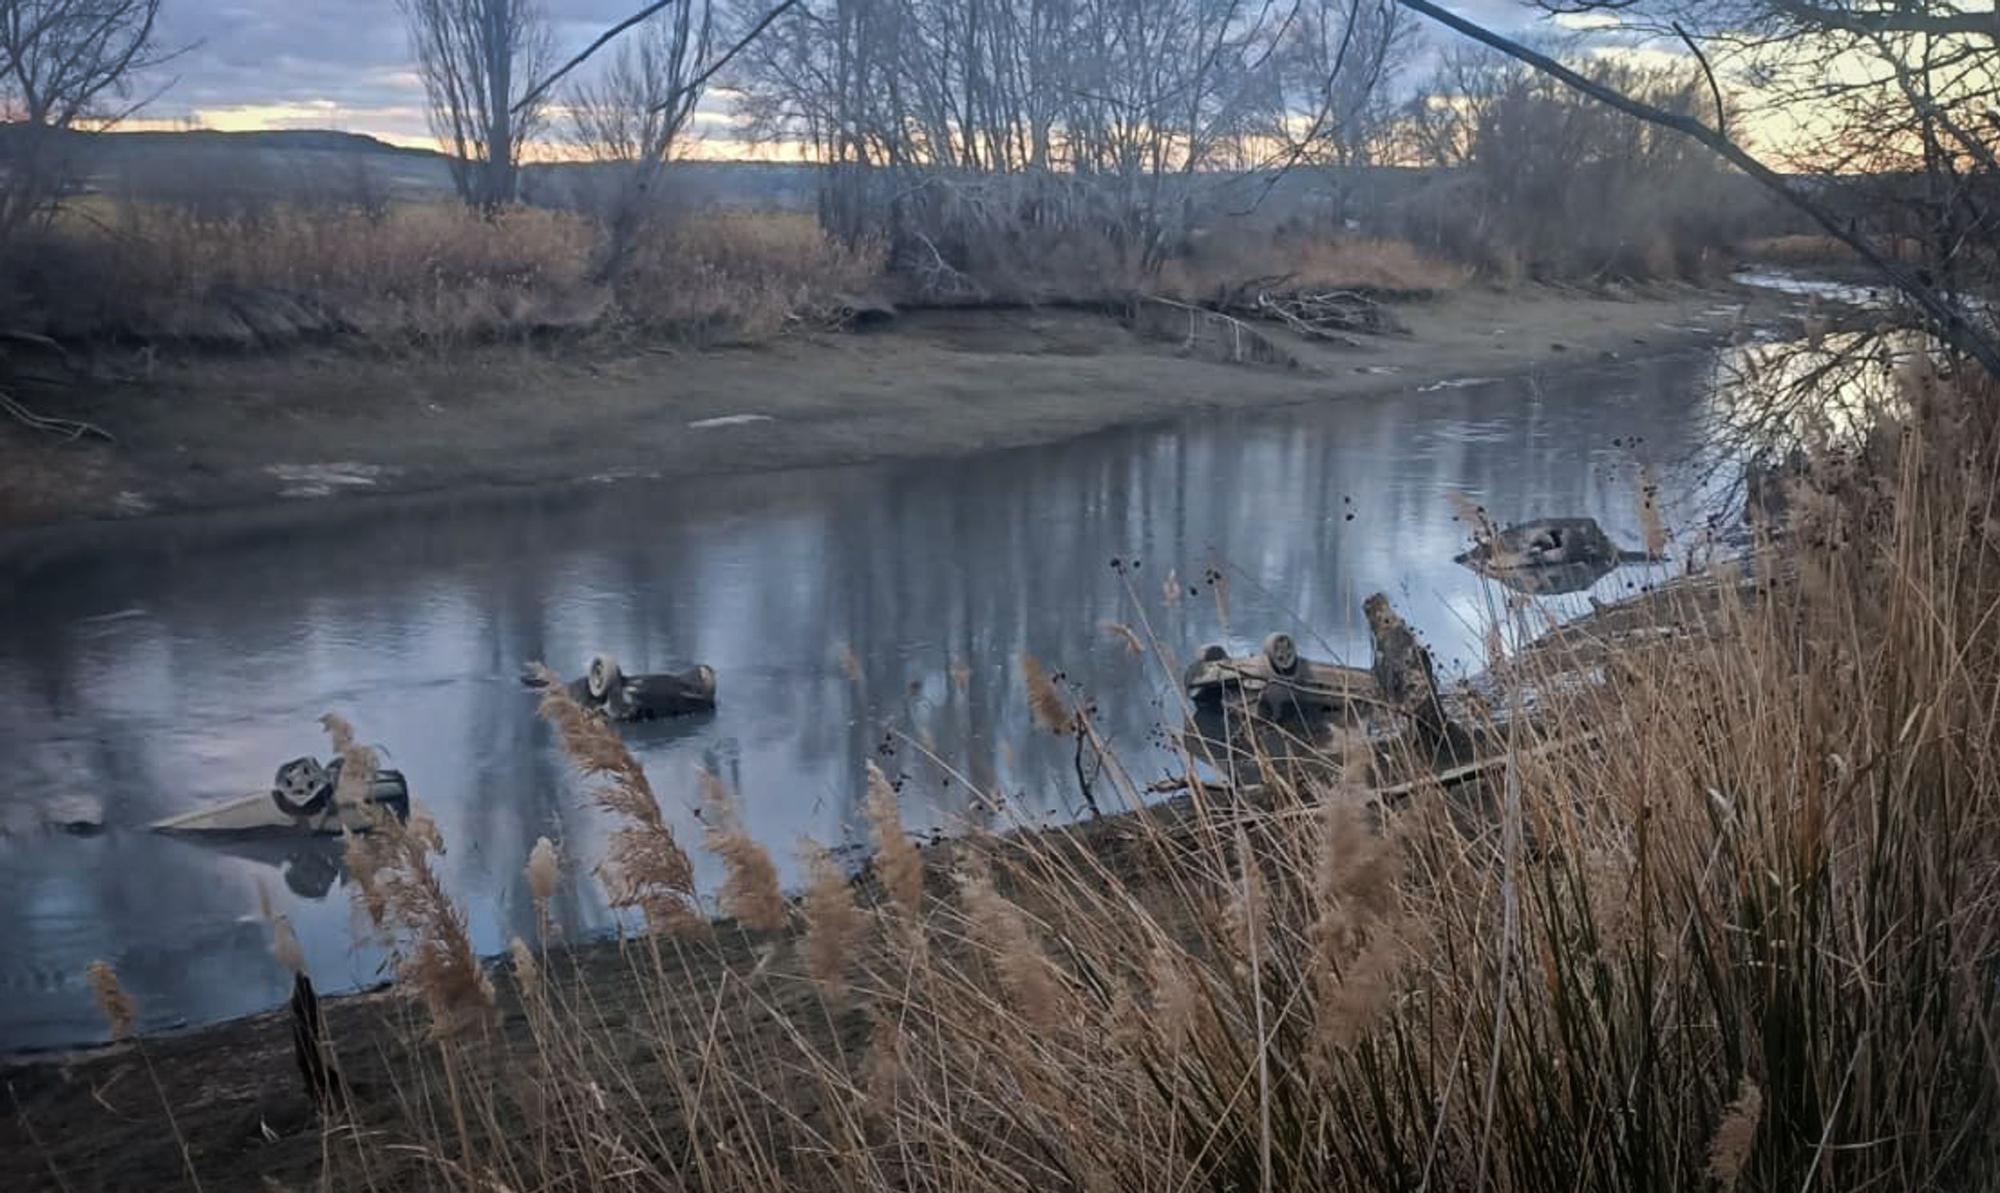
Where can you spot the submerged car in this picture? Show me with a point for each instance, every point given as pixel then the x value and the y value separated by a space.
pixel 1278 682
pixel 621 697
pixel 1549 556
pixel 304 798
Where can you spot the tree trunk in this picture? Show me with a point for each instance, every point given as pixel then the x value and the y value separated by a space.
pixel 499 181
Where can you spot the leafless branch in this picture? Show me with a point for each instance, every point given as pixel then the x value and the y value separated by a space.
pixel 701 80
pixel 63 428
pixel 1945 318
pixel 1708 72
pixel 541 89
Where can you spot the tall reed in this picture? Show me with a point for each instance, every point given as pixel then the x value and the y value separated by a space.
pixel 1726 915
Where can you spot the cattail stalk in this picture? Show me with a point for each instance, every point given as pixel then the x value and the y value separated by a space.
pixel 430 945
pixel 644 866
pixel 117 1007
pixel 897 859
pixel 834 923
pixel 750 892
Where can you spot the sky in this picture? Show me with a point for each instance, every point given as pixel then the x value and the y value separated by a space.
pixel 345 64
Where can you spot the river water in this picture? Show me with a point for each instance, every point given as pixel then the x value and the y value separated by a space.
pixel 176 661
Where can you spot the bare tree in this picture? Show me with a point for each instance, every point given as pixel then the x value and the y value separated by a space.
pixel 632 120
pixel 1910 82
pixel 480 60
pixel 1439 123
pixel 957 124
pixel 1336 64
pixel 63 63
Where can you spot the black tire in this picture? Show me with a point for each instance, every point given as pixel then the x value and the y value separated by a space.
pixel 1282 653
pixel 304 787
pixel 603 679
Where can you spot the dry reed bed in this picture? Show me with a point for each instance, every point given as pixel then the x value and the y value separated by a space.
pixel 1748 939
pixel 425 275
pixel 435 275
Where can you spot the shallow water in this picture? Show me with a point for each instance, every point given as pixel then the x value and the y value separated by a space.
pixel 177 661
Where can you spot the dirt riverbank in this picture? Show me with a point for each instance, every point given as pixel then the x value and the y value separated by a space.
pixel 215 432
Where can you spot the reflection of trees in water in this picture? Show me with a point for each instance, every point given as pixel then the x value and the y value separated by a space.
pixel 413 619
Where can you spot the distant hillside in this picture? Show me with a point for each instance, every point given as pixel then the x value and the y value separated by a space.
pixel 225 171
pixel 278 139
pixel 304 164
pixel 324 139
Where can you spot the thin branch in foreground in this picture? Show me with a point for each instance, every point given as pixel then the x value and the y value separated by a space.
pixel 603 39
pixel 742 43
pixel 1708 72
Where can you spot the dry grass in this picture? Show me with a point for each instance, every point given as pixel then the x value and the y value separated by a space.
pixel 1748 938
pixel 1798 250
pixel 1745 934
pixel 750 894
pixel 897 860
pixel 418 274
pixel 743 276
pixel 424 930
pixel 1296 262
pixel 644 866
pixel 117 1007
pixel 1817 251
pixel 435 276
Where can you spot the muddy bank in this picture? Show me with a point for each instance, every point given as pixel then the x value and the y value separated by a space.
pixel 217 432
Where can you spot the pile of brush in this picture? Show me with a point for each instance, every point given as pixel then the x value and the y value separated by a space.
pixel 1318 313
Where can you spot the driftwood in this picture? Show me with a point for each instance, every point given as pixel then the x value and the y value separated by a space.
pixel 1210 333
pixel 63 428
pixel 1330 316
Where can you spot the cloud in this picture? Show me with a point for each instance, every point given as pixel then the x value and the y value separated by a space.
pixel 346 64
pixel 315 63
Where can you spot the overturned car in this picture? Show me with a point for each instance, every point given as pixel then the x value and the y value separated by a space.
pixel 621 697
pixel 1549 556
pixel 305 797
pixel 1278 684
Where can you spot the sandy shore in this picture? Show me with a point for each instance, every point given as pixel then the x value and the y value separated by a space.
pixel 219 432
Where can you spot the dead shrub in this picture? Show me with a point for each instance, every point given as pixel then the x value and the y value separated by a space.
pixel 420 274
pixel 735 276
pixel 1298 261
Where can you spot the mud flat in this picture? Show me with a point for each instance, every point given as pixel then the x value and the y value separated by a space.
pixel 213 432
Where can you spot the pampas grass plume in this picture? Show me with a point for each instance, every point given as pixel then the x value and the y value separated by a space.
pixel 897 859
pixel 117 1007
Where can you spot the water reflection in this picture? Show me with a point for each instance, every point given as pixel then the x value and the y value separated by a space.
pixel 848 613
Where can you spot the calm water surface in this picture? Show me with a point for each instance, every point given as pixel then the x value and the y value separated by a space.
pixel 177 662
